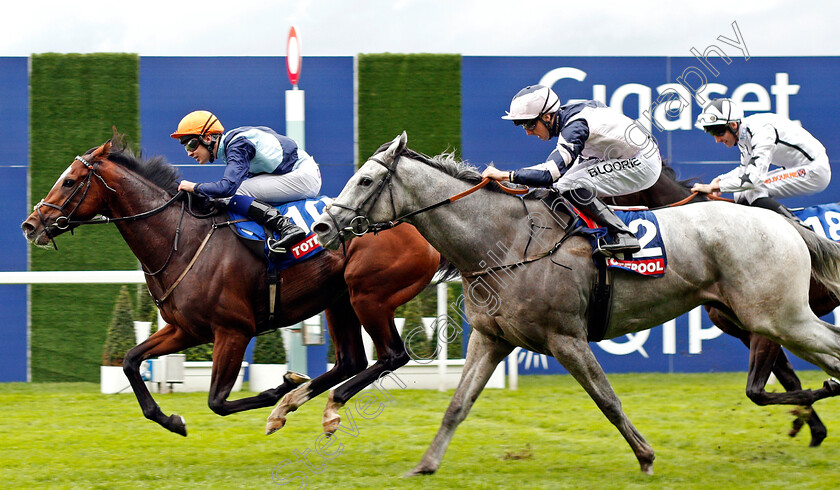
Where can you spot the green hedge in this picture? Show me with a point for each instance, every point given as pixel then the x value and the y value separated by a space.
pixel 418 93
pixel 74 101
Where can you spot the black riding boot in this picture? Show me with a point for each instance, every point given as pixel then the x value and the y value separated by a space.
pixel 622 239
pixel 777 207
pixel 270 217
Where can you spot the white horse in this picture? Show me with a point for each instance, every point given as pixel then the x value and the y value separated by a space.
pixel 750 263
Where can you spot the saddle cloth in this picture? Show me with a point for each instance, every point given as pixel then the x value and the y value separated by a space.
pixel 824 219
pixel 651 260
pixel 302 213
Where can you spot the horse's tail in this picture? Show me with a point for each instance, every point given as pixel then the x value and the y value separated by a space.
pixel 445 272
pixel 825 259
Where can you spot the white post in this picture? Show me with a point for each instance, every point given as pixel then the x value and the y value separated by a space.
pixel 295 129
pixel 513 369
pixel 442 327
pixel 295 116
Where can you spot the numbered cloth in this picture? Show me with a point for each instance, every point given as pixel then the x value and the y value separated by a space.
pixel 302 213
pixel 651 260
pixel 824 219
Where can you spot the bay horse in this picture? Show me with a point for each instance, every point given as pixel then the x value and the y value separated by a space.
pixel 766 356
pixel 539 301
pixel 211 288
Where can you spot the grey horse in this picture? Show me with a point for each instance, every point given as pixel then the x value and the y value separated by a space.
pixel 750 263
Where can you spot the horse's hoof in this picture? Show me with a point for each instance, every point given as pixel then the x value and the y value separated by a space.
pixel 833 386
pixel 177 424
pixel 330 426
pixel 817 438
pixel 419 471
pixel 273 425
pixel 647 469
pixel 296 378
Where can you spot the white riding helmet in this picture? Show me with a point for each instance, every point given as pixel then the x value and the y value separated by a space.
pixel 719 112
pixel 532 102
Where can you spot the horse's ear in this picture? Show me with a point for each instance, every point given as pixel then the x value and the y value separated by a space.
pixel 396 147
pixel 102 150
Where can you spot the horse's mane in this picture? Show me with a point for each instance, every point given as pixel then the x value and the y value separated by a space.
pixel 669 172
pixel 156 169
pixel 450 165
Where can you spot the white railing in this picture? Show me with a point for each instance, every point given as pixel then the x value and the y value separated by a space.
pixel 137 277
pixel 73 277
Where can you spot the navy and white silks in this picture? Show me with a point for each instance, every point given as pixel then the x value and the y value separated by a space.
pixel 598 148
pixel 265 165
pixel 767 140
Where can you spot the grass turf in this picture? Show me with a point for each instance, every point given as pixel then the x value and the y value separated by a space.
pixel 548 434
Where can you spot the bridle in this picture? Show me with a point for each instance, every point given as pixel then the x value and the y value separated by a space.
pixel 84 186
pixel 65 222
pixel 361 225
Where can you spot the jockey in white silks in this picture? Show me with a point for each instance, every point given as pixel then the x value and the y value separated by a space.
pixel 765 140
pixel 600 153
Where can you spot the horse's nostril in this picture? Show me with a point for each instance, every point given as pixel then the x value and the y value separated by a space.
pixel 321 228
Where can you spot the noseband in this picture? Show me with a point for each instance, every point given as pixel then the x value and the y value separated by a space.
pixel 360 224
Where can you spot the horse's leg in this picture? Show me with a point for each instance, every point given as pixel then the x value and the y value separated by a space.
pixel 788 379
pixel 167 340
pixel 350 358
pixel 378 320
pixel 228 351
pixel 378 285
pixel 576 356
pixel 767 356
pixel 483 355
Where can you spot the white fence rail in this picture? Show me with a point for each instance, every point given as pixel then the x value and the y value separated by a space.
pixel 73 277
pixel 137 277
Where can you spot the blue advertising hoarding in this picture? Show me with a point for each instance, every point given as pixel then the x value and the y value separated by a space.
pixel 14 139
pixel 251 91
pixel 800 88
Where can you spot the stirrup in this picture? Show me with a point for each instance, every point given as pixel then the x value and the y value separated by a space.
pixel 281 245
pixel 619 247
pixel 274 245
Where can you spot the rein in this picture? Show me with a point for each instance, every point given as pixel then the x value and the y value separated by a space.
pixel 360 225
pixel 64 222
pixel 695 194
pixel 67 222
pixel 377 227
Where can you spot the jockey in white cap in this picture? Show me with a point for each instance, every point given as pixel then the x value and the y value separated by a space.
pixel 596 156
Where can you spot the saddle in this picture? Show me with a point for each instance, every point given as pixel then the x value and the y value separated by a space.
pixel 303 213
pixel 650 261
pixel 253 235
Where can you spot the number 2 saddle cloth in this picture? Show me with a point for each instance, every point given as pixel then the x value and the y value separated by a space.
pixel 651 260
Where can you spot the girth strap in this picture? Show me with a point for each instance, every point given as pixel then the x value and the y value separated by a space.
pixel 600 303
pixel 273 293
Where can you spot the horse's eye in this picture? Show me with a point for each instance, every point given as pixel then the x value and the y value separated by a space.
pixel 365 181
pixel 68 183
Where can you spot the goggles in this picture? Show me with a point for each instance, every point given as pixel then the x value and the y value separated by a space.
pixel 528 124
pixel 192 144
